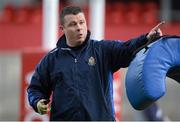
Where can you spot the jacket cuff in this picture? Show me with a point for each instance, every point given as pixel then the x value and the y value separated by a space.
pixel 144 43
pixel 35 105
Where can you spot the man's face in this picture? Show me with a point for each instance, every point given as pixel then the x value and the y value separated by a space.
pixel 75 29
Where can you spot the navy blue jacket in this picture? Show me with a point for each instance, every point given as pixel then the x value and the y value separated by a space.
pixel 80 80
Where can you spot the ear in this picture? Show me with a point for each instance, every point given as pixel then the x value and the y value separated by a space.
pixel 62 28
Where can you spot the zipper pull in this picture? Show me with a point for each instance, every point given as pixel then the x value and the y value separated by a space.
pixel 75 60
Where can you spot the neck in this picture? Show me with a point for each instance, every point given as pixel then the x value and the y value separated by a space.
pixel 77 47
pixel 74 44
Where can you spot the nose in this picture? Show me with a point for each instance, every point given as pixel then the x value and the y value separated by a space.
pixel 79 27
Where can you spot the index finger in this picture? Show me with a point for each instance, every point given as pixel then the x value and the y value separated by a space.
pixel 42 100
pixel 158 26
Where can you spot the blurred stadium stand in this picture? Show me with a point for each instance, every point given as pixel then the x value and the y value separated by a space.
pixel 21 27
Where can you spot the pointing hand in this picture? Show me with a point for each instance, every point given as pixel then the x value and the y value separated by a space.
pixel 155 32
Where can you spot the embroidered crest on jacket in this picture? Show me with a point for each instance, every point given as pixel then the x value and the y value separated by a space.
pixel 91 61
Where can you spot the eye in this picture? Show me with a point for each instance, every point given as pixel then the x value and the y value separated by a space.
pixel 72 24
pixel 82 22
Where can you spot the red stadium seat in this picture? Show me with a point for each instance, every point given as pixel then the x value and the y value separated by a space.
pixel 22 15
pixel 36 15
pixel 8 14
pixel 134 12
pixel 115 13
pixel 150 17
pixel 150 13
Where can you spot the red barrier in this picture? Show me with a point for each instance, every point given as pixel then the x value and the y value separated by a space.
pixel 29 61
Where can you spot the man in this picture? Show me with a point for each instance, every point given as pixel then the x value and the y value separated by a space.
pixel 79 71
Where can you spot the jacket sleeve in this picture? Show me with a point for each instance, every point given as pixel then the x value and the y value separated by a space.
pixel 39 87
pixel 120 53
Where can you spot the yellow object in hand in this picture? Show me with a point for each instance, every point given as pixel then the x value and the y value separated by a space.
pixel 42 107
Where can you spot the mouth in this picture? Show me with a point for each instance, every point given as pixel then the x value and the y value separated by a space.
pixel 80 35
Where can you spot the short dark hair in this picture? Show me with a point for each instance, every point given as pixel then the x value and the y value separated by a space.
pixel 69 10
